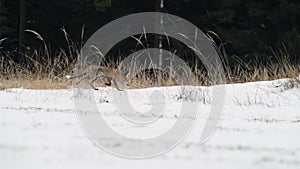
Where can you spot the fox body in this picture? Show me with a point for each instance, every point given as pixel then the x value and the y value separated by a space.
pixel 110 75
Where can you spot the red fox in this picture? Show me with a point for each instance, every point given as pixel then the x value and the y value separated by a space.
pixel 111 75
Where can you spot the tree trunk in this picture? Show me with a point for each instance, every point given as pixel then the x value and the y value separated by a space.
pixel 22 23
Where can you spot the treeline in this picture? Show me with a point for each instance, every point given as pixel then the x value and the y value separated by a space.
pixel 248 29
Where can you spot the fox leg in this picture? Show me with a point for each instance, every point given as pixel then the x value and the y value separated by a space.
pixel 116 85
pixel 114 81
pixel 108 78
pixel 108 82
pixel 93 80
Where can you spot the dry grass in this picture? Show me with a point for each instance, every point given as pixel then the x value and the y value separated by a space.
pixel 33 84
pixel 257 72
pixel 34 74
pixel 39 71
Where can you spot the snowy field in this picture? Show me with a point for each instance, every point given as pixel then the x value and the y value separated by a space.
pixel 259 128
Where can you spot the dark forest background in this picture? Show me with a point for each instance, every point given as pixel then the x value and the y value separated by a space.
pixel 248 29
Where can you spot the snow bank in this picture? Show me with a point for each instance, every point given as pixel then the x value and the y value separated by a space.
pixel 259 128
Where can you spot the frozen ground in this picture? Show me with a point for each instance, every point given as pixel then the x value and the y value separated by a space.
pixel 260 128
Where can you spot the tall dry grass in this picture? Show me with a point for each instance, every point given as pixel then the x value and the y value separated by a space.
pixel 42 69
pixel 38 69
pixel 272 70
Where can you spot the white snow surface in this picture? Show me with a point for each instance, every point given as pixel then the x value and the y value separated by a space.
pixel 259 128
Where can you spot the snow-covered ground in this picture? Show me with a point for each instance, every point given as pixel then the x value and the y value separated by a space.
pixel 259 128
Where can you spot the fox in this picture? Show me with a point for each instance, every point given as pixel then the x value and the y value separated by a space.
pixel 110 75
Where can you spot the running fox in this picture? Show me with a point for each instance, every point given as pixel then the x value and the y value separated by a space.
pixel 93 73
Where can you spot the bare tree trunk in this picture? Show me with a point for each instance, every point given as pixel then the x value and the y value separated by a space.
pixel 22 23
pixel 158 39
